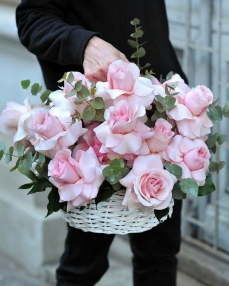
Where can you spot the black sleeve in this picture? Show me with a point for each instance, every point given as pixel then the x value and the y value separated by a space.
pixel 43 31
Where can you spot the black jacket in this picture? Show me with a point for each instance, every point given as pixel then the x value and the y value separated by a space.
pixel 57 32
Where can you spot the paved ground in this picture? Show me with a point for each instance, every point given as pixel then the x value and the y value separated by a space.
pixel 11 274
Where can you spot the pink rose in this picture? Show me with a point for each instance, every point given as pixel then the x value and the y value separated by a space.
pixel 148 184
pixel 53 130
pixel 198 99
pixel 77 179
pixel 161 137
pixel 123 132
pixel 191 155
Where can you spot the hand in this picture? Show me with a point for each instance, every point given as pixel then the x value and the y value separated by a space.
pixel 98 56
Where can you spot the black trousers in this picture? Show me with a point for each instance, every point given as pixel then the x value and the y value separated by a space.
pixel 154 255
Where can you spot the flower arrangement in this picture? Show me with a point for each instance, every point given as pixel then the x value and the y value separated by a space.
pixel 88 140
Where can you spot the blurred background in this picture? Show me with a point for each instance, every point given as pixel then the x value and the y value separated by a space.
pixel 199 31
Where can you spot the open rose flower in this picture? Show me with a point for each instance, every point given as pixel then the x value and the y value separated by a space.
pixel 52 130
pixel 161 137
pixel 191 155
pixel 123 132
pixel 125 83
pixel 77 179
pixel 148 184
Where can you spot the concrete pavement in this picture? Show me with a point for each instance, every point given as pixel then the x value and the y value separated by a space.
pixel 119 273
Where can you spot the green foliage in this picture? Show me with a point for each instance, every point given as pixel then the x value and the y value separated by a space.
pixel 177 193
pixel 174 169
pixel 105 192
pixel 208 187
pixel 25 83
pixel 54 204
pixel 216 166
pixel 115 171
pixel 215 138
pixel 189 186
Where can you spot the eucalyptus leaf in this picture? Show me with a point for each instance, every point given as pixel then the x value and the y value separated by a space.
pixel 97 103
pixel 135 21
pixel 221 139
pixel 177 194
pixel 9 154
pixel 45 95
pixel 2 146
pixel 1 154
pixel 35 88
pixel 133 43
pixel 207 188
pixel 25 83
pixel 226 109
pixel 70 78
pixel 189 186
pixel 20 149
pixel 174 169
pixel 139 53
pixel 89 113
pixel 16 165
pixel 169 75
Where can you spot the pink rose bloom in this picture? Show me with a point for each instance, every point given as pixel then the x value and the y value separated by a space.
pixel 53 130
pixel 124 83
pixel 123 132
pixel 198 99
pixel 11 115
pixel 88 140
pixel 148 184
pixel 77 179
pixel 191 155
pixel 161 137
pixel 60 100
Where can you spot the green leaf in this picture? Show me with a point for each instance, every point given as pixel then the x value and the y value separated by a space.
pixel 16 165
pixel 89 113
pixel 159 106
pixel 45 95
pixel 170 101
pixel 1 154
pixel 2 146
pixel 25 83
pixel 159 214
pixel 221 139
pixel 133 43
pixel 72 93
pixel 54 204
pixel 97 103
pixel 137 34
pixel 78 85
pixel 40 186
pixel 169 75
pixel 216 166
pixel 135 21
pixel 35 88
pixel 139 53
pixel 189 186
pixel 215 113
pixel 207 188
pixel 20 149
pixel 26 186
pixel 26 172
pixel 226 109
pixel 158 114
pixel 9 154
pixel 174 169
pixel 70 78
pixel 99 116
pixel 177 193
pixel 211 141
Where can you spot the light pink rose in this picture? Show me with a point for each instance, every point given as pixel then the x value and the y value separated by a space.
pixel 77 179
pixel 89 139
pixel 123 132
pixel 12 113
pixel 53 130
pixel 161 137
pixel 148 184
pixel 198 99
pixel 191 155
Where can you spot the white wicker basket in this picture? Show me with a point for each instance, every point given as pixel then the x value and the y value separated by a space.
pixel 111 217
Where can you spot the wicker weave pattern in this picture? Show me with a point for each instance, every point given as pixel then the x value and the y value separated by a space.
pixel 111 217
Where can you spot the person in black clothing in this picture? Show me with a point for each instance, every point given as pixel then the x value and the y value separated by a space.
pixel 86 36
